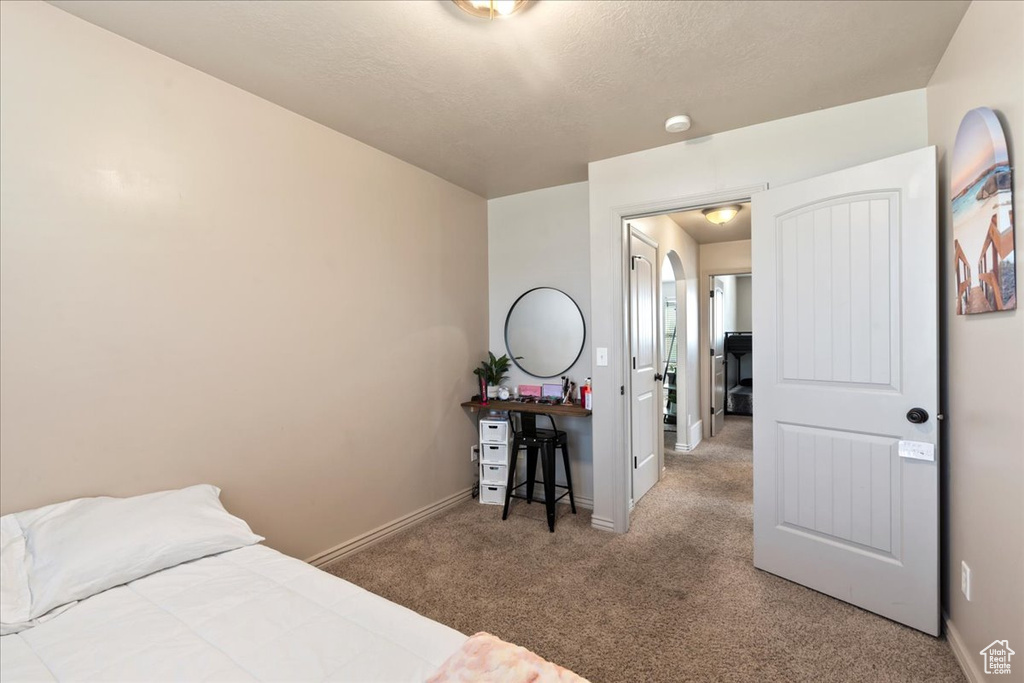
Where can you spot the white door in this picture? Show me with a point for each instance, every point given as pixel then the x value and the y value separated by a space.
pixel 845 317
pixel 717 327
pixel 644 403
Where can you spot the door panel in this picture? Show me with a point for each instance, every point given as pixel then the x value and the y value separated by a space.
pixel 837 322
pixel 645 412
pixel 847 345
pixel 717 356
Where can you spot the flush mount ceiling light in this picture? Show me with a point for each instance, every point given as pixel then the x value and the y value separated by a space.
pixel 677 124
pixel 720 215
pixel 489 9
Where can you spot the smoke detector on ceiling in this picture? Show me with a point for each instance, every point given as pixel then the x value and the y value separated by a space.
pixel 677 124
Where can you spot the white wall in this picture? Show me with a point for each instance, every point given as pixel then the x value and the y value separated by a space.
pixel 983 446
pixel 729 303
pixel 714 168
pixel 674 243
pixel 743 304
pixel 540 239
pixel 743 324
pixel 197 285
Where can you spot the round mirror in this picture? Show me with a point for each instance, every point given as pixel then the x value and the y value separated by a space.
pixel 544 332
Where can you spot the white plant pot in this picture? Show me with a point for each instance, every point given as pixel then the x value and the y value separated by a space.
pixel 492 392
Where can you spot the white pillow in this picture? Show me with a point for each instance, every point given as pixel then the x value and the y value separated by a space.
pixel 82 547
pixel 15 597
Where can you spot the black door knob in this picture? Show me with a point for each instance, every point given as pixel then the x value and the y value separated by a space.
pixel 917 415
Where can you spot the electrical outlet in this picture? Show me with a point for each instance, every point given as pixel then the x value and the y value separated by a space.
pixel 474 453
pixel 965 580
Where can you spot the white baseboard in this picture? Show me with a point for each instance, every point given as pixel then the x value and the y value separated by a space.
pixel 380 533
pixel 602 523
pixel 963 656
pixel 696 432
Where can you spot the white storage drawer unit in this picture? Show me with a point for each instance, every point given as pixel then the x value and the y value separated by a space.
pixel 494 453
pixel 493 474
pixel 492 495
pixel 495 440
pixel 494 431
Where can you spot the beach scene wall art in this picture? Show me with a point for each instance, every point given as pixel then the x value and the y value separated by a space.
pixel 981 187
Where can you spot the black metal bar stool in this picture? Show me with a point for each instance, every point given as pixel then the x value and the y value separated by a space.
pixel 544 441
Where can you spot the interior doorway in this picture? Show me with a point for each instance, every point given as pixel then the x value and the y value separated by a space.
pixel 674 347
pixel 682 240
pixel 731 348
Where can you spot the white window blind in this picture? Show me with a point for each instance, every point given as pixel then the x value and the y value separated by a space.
pixel 671 349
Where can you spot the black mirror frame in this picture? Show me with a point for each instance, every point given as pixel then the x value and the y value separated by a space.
pixel 583 343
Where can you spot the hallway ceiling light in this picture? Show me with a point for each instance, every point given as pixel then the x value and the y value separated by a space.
pixel 488 9
pixel 720 215
pixel 677 124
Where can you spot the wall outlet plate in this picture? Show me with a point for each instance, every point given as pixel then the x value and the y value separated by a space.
pixel 965 580
pixel 474 453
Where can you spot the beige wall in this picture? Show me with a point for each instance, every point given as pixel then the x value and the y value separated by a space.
pixel 200 286
pixel 715 259
pixel 539 239
pixel 983 454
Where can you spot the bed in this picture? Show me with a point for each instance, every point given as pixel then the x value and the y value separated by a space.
pixel 243 615
pixel 170 586
pixel 739 397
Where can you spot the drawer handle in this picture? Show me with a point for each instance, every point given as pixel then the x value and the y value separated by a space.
pixel 492 426
pixel 492 488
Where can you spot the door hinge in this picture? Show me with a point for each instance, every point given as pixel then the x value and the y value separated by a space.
pixel 634 462
pixel 632 262
pixel 622 390
pixel 634 362
pixel 712 410
pixel 712 352
pixel 712 294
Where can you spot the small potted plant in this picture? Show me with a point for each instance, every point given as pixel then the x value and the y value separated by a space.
pixel 493 371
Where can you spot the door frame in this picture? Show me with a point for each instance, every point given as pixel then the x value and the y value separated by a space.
pixel 704 316
pixel 619 358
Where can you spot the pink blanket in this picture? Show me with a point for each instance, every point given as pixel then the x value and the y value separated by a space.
pixel 486 658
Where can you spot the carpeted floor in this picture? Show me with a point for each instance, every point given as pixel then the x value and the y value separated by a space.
pixel 675 599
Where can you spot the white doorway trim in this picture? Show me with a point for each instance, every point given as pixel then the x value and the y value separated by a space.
pixel 618 234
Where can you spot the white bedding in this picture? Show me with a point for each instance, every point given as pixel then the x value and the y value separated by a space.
pixel 248 614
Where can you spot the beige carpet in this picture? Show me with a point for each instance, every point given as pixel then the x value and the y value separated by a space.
pixel 675 599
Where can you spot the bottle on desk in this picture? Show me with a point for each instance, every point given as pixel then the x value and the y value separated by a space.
pixel 587 395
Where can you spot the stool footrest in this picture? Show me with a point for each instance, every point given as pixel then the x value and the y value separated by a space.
pixel 539 483
pixel 522 497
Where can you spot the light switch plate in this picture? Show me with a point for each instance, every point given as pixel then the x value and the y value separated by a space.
pixel 602 356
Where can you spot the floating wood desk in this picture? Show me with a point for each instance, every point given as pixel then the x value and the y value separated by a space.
pixel 573 410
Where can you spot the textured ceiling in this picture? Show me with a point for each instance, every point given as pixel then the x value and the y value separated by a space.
pixel 705 232
pixel 513 105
